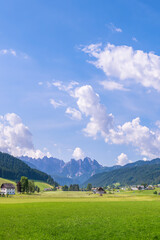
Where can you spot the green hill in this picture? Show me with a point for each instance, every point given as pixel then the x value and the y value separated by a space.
pixel 12 168
pixel 3 180
pixel 135 175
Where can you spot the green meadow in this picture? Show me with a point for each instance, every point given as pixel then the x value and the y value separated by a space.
pixel 80 215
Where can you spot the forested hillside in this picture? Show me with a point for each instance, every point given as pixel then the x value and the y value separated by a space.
pixel 148 173
pixel 12 168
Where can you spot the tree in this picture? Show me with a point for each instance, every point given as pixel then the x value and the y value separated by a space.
pixel 37 189
pixel 19 187
pixel 31 186
pixel 65 188
pixel 74 187
pixel 24 184
pixel 89 187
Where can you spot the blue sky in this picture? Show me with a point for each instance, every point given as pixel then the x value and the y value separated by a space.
pixel 66 66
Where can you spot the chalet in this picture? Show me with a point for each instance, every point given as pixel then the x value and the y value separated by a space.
pixel 100 191
pixel 134 188
pixel 7 188
pixel 140 187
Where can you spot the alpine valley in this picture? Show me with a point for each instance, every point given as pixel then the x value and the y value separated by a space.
pixel 74 171
pixel 90 171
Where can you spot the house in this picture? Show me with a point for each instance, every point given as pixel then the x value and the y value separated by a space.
pixel 100 191
pixel 134 188
pixel 48 189
pixel 140 187
pixel 7 188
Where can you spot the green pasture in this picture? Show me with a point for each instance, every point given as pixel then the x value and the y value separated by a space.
pixel 42 185
pixel 80 216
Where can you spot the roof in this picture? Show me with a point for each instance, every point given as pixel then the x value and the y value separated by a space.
pixel 7 185
pixel 100 189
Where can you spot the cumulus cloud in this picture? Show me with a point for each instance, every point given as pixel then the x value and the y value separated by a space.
pixel 89 104
pixel 146 141
pixel 114 28
pixel 56 104
pixel 16 138
pixel 75 114
pixel 111 85
pixel 126 64
pixel 122 159
pixel 78 153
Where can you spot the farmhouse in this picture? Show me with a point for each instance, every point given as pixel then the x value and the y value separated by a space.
pixel 7 188
pixel 100 190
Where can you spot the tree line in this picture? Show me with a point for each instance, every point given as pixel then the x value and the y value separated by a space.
pixel 75 187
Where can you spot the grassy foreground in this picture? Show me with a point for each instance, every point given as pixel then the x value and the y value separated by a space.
pixel 78 216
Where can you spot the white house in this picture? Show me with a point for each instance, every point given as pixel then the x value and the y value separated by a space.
pixel 7 188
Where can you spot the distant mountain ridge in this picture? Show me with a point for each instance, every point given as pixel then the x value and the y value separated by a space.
pixel 74 171
pixel 90 171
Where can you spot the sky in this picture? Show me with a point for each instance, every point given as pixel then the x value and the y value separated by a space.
pixel 80 78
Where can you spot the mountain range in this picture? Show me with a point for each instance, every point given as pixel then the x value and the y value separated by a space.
pixel 90 171
pixel 74 171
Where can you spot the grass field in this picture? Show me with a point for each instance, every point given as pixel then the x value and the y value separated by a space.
pixel 80 215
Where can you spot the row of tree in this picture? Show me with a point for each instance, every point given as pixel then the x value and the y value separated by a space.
pixel 74 187
pixel 27 186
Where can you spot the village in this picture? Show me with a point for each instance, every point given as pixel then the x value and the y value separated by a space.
pixel 11 189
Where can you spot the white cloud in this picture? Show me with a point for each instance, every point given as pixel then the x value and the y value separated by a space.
pixel 16 139
pixel 78 153
pixel 74 113
pixel 8 52
pixel 111 85
pixel 122 159
pixel 146 141
pixel 56 104
pixel 114 28
pixel 126 64
pixel 89 104
pixel 67 88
